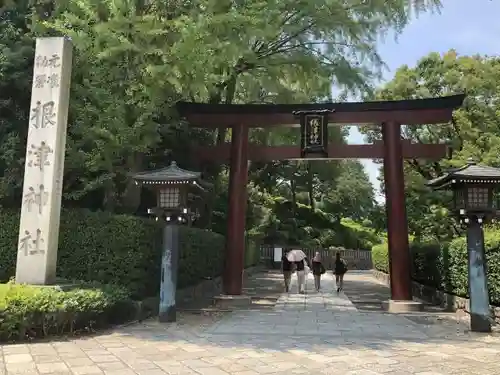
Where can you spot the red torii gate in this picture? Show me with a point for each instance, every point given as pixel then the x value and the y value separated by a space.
pixel 389 114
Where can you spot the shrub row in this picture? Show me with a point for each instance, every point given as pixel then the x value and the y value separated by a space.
pixel 37 312
pixel 122 250
pixel 444 266
pixel 102 250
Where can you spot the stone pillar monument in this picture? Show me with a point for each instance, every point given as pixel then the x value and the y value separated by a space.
pixel 44 165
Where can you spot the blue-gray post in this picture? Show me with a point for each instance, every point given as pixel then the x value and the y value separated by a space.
pixel 168 284
pixel 478 287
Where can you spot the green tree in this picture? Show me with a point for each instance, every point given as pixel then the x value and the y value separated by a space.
pixel 351 194
pixel 475 131
pixel 16 67
pixel 135 59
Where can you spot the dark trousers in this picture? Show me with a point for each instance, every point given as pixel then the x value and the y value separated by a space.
pixel 287 276
pixel 317 281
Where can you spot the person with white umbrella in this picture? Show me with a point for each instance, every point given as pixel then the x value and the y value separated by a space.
pixel 302 267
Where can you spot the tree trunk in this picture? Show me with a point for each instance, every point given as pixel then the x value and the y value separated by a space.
pixel 310 185
pixel 109 201
pixel 230 92
pixel 131 198
pixel 293 189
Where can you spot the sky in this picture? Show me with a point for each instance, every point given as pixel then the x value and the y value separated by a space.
pixel 467 26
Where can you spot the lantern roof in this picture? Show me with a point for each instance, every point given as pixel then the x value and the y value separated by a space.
pixel 471 173
pixel 167 176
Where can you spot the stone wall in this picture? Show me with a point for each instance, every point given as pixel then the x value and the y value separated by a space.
pixel 436 297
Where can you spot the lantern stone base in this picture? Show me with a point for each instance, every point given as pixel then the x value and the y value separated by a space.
pixel 401 307
pixel 168 316
pixel 229 302
pixel 480 323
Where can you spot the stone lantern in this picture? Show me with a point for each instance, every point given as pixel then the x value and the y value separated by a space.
pixel 172 185
pixel 474 190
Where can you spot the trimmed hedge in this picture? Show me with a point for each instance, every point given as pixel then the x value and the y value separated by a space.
pixel 444 266
pixel 35 312
pixel 120 249
pixel 380 257
pixel 102 250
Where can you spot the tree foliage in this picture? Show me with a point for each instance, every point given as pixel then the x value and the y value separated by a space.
pixel 474 132
pixel 134 59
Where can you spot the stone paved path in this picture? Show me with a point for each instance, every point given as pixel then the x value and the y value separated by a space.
pixel 317 333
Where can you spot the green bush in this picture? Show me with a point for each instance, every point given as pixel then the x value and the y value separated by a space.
pixel 444 266
pixel 428 263
pixel 117 249
pixel 252 251
pixel 380 257
pixel 201 256
pixel 37 312
pixel 457 260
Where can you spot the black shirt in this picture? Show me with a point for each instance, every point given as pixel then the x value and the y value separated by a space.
pixel 286 264
pixel 300 266
pixel 316 268
pixel 340 267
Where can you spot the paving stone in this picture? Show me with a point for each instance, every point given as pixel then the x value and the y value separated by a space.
pixel 43 351
pixel 86 370
pixel 19 368
pixel 49 368
pixel 78 362
pixel 95 352
pixel 211 371
pixel 15 349
pixel 73 354
pixel 179 370
pixel 46 358
pixel 18 358
pixel 150 372
pixel 102 358
pixel 120 372
pixel 112 366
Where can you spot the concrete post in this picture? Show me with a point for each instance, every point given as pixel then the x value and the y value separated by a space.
pixel 478 288
pixel 169 267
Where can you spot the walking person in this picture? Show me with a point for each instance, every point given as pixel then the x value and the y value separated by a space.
pixel 286 268
pixel 301 275
pixel 318 270
pixel 340 268
pixel 302 268
pixel 299 261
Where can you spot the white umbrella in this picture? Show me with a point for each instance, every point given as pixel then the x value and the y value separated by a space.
pixel 295 255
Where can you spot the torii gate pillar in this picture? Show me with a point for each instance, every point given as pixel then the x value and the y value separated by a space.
pixel 397 225
pixel 234 260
